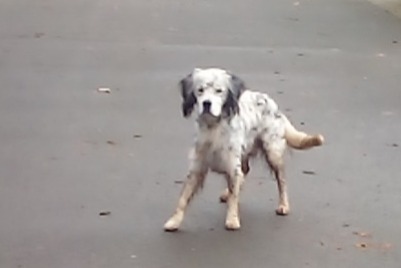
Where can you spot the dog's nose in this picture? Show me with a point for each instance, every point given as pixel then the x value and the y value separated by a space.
pixel 206 106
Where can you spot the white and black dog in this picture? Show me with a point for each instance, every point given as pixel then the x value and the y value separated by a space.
pixel 234 124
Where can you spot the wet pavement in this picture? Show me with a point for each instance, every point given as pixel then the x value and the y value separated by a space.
pixel 88 178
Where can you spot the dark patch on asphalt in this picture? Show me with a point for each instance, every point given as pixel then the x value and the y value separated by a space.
pixel 38 35
pixel 293 19
pixel 105 213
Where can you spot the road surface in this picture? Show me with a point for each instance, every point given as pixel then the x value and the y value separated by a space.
pixel 69 152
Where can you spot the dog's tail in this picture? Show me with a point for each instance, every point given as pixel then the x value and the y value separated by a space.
pixel 300 140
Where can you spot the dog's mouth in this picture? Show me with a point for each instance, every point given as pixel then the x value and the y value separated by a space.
pixel 209 119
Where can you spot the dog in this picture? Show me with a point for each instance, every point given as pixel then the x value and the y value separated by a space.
pixel 234 125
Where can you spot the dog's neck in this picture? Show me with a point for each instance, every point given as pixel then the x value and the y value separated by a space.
pixel 217 128
pixel 205 124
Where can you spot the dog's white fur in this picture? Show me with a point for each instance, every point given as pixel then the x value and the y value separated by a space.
pixel 234 124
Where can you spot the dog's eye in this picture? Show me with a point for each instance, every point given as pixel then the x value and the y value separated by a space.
pixel 219 90
pixel 201 90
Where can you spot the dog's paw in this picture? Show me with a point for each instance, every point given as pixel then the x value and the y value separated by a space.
pixel 224 196
pixel 319 140
pixel 173 224
pixel 283 210
pixel 233 224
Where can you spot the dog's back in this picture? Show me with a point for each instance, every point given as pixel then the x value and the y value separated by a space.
pixel 260 114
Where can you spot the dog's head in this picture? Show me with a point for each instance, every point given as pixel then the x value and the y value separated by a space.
pixel 214 92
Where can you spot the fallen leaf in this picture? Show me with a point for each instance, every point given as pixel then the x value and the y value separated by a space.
pixel 136 136
pixel 104 213
pixel 178 182
pixel 395 42
pixel 309 172
pixel 345 225
pixel 104 90
pixel 367 235
pixel 111 142
pixel 362 234
pixel 361 245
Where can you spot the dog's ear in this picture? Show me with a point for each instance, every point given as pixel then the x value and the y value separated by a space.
pixel 236 87
pixel 188 95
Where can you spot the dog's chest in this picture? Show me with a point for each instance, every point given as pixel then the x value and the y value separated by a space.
pixel 218 160
pixel 222 148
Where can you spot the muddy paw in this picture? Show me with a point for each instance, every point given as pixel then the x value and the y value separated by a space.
pixel 233 224
pixel 282 210
pixel 172 224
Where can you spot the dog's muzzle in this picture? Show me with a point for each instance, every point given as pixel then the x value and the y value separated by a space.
pixel 207 117
pixel 206 107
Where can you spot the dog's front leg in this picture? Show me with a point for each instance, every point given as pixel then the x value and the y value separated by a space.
pixel 234 181
pixel 196 176
pixel 191 185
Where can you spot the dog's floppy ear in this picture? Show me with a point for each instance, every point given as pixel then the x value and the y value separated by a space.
pixel 188 95
pixel 236 87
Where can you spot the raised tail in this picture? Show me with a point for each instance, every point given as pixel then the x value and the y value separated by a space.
pixel 300 140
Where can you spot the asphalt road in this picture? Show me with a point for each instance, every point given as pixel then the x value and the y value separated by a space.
pixel 68 152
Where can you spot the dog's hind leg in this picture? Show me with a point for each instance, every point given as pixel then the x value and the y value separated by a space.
pixel 274 156
pixel 191 185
